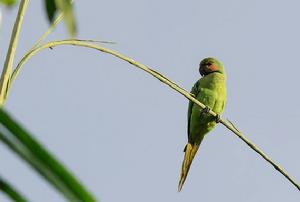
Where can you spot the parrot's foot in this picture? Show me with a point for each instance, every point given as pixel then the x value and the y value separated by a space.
pixel 193 95
pixel 218 118
pixel 206 110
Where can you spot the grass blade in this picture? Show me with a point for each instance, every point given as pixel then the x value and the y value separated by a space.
pixel 12 193
pixel 25 146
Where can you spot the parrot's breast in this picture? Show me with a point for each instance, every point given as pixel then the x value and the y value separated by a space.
pixel 212 93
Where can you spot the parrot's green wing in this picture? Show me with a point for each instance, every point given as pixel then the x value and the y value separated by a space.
pixel 195 91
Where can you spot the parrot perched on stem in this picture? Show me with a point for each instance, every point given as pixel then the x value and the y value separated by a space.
pixel 211 91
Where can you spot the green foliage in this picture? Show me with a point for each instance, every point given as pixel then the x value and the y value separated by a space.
pixel 13 135
pixel 51 9
pixel 66 7
pixel 8 2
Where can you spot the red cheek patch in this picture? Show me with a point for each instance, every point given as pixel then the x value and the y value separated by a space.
pixel 213 67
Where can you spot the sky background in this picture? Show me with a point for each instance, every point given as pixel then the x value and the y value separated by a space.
pixel 122 132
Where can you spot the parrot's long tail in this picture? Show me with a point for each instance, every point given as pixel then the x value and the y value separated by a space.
pixel 190 152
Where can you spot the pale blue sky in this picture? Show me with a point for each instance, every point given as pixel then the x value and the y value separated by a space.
pixel 122 132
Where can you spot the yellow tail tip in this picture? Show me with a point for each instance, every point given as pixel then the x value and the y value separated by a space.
pixel 179 187
pixel 190 151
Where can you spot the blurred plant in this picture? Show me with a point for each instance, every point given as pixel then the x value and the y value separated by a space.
pixel 8 2
pixel 52 7
pixel 0 17
pixel 30 150
pixel 19 140
pixel 64 6
pixel 6 188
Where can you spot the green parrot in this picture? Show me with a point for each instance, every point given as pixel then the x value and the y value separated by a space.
pixel 211 91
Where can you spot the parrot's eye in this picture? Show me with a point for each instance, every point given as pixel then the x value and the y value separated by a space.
pixel 208 64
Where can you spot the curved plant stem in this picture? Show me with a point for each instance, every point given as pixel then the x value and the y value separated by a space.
pixel 163 79
pixel 7 69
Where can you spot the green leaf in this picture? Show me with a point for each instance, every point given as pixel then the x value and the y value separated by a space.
pixel 25 146
pixel 8 2
pixel 10 191
pixel 66 7
pixel 51 9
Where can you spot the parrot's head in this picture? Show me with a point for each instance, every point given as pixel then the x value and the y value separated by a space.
pixel 210 65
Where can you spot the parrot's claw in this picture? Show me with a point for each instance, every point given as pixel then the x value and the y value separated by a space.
pixel 218 118
pixel 193 95
pixel 206 110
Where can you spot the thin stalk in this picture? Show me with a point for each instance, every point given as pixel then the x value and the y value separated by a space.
pixel 52 26
pixel 163 79
pixel 8 65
